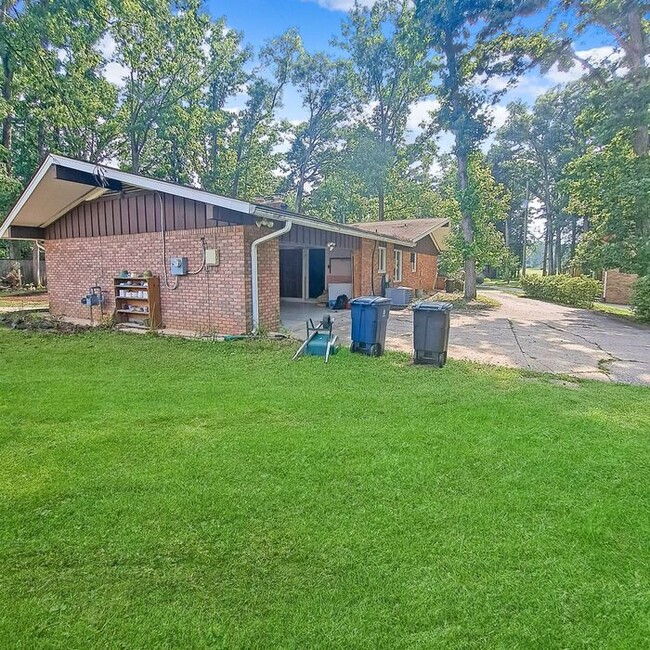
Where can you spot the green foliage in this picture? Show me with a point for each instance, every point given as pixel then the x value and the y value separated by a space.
pixel 354 175
pixel 641 298
pixel 325 88
pixel 392 71
pixel 530 152
pixel 610 187
pixel 579 291
pixel 487 202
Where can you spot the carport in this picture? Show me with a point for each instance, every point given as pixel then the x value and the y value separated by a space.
pixel 314 262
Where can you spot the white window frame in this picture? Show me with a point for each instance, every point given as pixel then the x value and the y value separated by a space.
pixel 414 262
pixel 398 259
pixel 381 259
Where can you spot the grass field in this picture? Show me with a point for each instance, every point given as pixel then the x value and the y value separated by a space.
pixel 172 493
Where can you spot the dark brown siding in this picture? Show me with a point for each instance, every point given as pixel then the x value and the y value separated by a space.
pixel 137 214
pixel 426 245
pixel 303 236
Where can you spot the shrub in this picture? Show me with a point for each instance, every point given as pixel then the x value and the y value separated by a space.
pixel 480 278
pixel 641 298
pixel 579 291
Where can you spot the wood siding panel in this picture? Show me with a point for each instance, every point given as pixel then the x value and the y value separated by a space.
pixel 303 236
pixel 139 213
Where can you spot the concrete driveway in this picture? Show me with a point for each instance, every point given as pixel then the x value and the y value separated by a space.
pixel 521 333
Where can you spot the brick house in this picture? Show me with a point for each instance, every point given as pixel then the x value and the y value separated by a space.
pixel 243 259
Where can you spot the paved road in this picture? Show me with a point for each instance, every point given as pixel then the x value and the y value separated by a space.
pixel 525 333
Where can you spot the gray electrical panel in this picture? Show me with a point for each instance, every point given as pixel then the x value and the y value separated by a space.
pixel 178 266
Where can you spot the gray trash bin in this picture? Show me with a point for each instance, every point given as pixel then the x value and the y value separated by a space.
pixel 431 332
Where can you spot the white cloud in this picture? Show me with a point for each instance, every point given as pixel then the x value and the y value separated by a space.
pixel 499 116
pixel 595 56
pixel 558 76
pixel 341 5
pixel 107 46
pixel 497 83
pixel 419 112
pixel 113 72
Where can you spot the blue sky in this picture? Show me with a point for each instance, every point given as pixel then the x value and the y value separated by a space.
pixel 318 21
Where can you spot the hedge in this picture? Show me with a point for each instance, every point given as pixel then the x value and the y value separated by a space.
pixel 579 291
pixel 641 298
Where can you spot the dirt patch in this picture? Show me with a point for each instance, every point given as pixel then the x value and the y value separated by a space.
pixel 23 300
pixel 39 323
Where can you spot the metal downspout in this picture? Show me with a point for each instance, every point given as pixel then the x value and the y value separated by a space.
pixel 254 272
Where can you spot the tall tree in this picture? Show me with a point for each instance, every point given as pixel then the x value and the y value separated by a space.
pixel 393 72
pixel 488 202
pixel 161 51
pixel 623 79
pixel 225 50
pixel 473 39
pixel 324 86
pixel 277 60
pixel 533 148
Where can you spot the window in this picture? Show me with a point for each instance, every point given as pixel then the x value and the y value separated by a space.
pixel 397 275
pixel 414 262
pixel 381 262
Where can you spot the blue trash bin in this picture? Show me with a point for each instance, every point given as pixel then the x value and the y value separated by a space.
pixel 369 319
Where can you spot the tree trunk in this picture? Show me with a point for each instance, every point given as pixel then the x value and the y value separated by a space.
pixel 237 173
pixel 381 197
pixel 135 155
pixel 300 190
pixel 574 235
pixel 467 226
pixel 635 50
pixel 549 237
pixel 545 259
pixel 6 96
pixel 558 249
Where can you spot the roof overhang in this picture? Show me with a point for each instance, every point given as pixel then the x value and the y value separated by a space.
pixel 61 183
pixel 439 235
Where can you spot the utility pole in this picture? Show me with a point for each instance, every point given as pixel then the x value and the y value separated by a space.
pixel 525 238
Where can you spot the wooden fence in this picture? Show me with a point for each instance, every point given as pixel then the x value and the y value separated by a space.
pixel 28 270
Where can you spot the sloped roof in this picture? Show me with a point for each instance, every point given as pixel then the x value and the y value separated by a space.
pixel 409 230
pixel 53 191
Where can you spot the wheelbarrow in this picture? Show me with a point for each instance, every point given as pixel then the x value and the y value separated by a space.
pixel 320 341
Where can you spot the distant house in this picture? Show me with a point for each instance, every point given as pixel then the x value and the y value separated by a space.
pixel 242 260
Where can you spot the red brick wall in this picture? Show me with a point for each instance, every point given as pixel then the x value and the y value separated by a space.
pixel 268 264
pixel 216 300
pixel 366 264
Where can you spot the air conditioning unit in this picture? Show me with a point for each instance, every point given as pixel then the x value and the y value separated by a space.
pixel 400 297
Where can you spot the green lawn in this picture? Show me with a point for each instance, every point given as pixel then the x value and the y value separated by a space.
pixel 172 493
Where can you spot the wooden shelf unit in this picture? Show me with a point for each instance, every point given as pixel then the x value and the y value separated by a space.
pixel 137 302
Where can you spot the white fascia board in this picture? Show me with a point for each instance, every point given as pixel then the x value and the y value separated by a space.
pixel 157 185
pixel 330 227
pixel 430 232
pixel 115 174
pixel 27 192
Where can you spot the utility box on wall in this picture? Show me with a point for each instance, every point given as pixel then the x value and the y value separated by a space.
pixel 212 257
pixel 178 266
